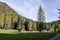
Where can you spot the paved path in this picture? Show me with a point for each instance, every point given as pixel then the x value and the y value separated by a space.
pixel 56 37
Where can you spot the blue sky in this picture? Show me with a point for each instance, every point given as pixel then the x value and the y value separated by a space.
pixel 29 8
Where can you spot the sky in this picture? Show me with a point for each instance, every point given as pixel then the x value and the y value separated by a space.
pixel 29 8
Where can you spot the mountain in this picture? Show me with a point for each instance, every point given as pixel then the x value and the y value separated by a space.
pixel 11 19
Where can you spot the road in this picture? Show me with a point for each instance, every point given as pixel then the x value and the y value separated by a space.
pixel 56 37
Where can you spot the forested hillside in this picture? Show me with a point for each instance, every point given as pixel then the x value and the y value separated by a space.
pixel 11 19
pixel 6 16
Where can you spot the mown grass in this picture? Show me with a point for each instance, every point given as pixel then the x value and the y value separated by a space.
pixel 26 36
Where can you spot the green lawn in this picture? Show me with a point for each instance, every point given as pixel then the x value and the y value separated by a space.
pixel 16 35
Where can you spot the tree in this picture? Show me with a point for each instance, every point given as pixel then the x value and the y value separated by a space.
pixel 41 18
pixel 26 25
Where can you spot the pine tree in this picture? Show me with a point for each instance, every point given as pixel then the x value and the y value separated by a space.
pixel 41 19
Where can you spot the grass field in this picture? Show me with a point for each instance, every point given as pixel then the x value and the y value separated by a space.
pixel 16 35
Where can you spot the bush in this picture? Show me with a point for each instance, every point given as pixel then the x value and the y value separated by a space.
pixel 58 31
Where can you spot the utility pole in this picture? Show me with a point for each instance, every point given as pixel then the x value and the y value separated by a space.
pixel 59 17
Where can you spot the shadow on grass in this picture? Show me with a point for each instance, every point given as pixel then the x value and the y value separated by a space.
pixel 26 36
